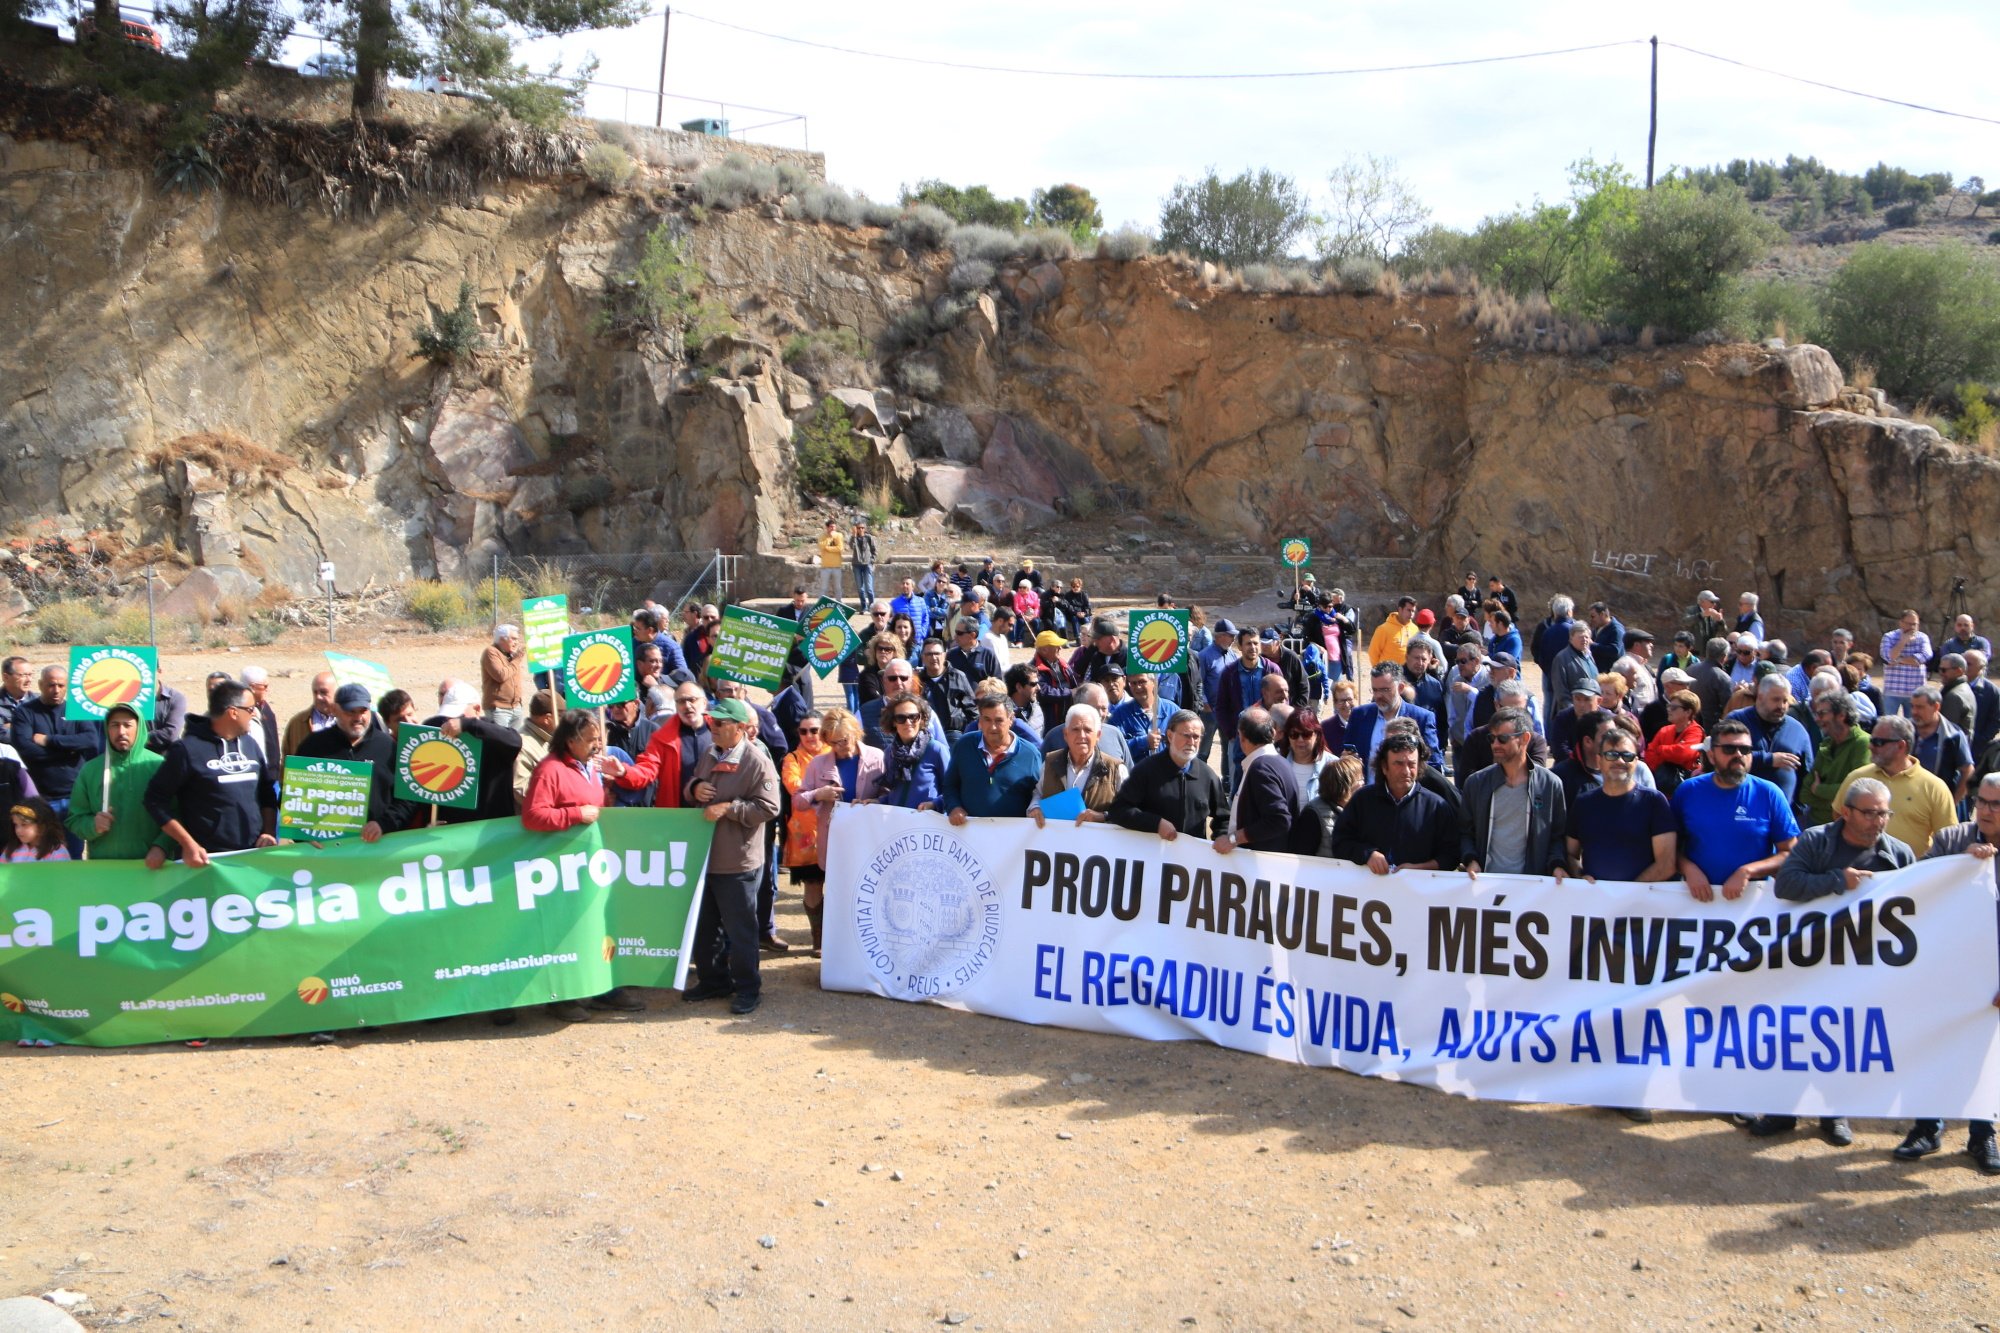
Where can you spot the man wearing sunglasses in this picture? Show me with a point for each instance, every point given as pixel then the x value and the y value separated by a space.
pixel 1619 830
pixel 1734 827
pixel 898 677
pixel 1920 805
pixel 1977 838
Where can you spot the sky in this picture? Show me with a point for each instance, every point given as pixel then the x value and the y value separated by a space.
pixel 1472 140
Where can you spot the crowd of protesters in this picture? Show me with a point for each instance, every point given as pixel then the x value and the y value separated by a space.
pixel 1723 761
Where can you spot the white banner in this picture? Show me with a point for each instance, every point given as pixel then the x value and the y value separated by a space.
pixel 1877 1003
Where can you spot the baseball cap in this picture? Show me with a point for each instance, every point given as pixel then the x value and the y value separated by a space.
pixel 1588 685
pixel 1426 617
pixel 456 700
pixel 1048 638
pixel 1270 634
pixel 1675 676
pixel 1506 660
pixel 730 710
pixel 1107 669
pixel 351 696
pixel 1224 626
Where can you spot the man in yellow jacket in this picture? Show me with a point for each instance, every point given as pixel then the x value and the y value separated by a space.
pixel 832 560
pixel 1392 636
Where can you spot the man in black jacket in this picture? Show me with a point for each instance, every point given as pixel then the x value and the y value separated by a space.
pixel 216 792
pixel 1394 823
pixel 971 657
pixel 1267 794
pixel 461 713
pixel 1173 792
pixel 947 691
pixel 358 734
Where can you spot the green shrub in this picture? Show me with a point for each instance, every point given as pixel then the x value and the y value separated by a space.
pixel 919 378
pixel 263 630
pixel 436 605
pixel 1251 218
pixel 1357 273
pixel 187 168
pixel 609 167
pixel 1124 245
pixel 504 605
pixel 1993 237
pixel 1902 215
pixel 1678 259
pixel 823 353
pixel 662 294
pixel 974 203
pixel 921 227
pixel 453 334
pixel 1977 424
pixel 1048 243
pixel 879 215
pixel 737 181
pixel 1070 209
pixel 819 202
pixel 1925 317
pixel 128 626
pixel 1782 307
pixel 975 241
pixel 70 622
pixel 829 457
pixel 970 275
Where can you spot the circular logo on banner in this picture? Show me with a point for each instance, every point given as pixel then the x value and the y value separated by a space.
pixel 829 644
pixel 1296 551
pixel 1159 641
pixel 12 1003
pixel 610 948
pixel 928 916
pixel 313 990
pixel 598 668
pixel 112 681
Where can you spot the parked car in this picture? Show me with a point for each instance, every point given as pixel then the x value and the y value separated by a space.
pixel 443 81
pixel 135 32
pixel 328 65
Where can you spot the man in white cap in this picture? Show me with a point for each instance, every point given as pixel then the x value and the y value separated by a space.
pixel 460 712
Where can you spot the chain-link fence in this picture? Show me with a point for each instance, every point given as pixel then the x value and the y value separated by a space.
pixel 607 584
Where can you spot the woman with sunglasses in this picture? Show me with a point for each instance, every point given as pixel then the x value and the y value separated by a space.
pixel 843 769
pixel 1305 746
pixel 913 763
pixel 1674 754
pixel 881 650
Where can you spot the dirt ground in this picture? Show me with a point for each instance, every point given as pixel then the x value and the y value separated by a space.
pixel 850 1162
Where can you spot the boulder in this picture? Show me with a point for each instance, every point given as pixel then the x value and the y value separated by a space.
pixel 1803 378
pixel 196 596
pixel 25 1314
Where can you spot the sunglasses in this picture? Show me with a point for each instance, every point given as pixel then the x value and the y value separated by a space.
pixel 900 718
pixel 1619 756
pixel 1876 742
pixel 808 731
pixel 1732 749
pixel 894 679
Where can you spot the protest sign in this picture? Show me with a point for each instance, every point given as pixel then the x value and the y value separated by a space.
pixel 599 668
pixel 103 677
pixel 450 920
pixel 435 768
pixel 370 676
pixel 828 644
pixel 1156 642
pixel 1875 1003
pixel 751 647
pixel 544 626
pixel 324 799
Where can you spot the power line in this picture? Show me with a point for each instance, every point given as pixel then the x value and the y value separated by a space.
pixel 1109 74
pixel 1831 87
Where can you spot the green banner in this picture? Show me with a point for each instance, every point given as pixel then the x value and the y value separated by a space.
pixel 107 675
pixel 751 647
pixel 435 768
pixel 324 799
pixel 829 639
pixel 1156 642
pixel 598 668
pixel 1296 552
pixel 370 676
pixel 544 625
pixel 450 920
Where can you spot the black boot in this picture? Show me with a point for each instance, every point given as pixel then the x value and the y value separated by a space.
pixel 816 917
pixel 1984 1154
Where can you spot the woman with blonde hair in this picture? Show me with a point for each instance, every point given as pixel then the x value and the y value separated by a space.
pixel 846 772
pixel 800 854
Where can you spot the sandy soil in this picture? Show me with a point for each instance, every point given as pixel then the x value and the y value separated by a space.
pixel 850 1162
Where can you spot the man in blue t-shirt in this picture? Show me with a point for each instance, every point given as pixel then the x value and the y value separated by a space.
pixel 1734 827
pixel 1620 830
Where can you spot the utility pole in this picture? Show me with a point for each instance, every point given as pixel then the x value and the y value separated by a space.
pixel 1652 121
pixel 666 26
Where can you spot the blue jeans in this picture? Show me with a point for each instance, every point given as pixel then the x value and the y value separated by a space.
pixel 1895 705
pixel 1232 766
pixel 853 696
pixel 70 840
pixel 864 584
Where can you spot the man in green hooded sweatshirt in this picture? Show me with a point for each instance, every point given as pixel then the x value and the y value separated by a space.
pixel 118 828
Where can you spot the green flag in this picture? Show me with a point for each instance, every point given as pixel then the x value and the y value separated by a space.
pixel 370 676
pixel 544 625
pixel 598 668
pixel 435 768
pixel 324 799
pixel 1156 642
pixel 450 920
pixel 751 647
pixel 108 675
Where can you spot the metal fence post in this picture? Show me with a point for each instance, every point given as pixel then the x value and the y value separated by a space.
pixel 152 634
pixel 496 592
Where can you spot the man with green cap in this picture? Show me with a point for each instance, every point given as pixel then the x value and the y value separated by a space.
pixel 115 826
pixel 736 787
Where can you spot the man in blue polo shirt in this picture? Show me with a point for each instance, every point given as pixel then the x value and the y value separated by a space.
pixel 993 771
pixel 1734 827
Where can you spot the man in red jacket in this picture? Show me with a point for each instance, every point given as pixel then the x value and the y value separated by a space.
pixel 675 746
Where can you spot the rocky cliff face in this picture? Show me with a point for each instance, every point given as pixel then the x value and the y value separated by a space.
pixel 1385 430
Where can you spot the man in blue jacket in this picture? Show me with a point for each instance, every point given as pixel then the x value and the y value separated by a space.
pixel 993 772
pixel 1782 752
pixel 1364 725
pixel 1239 685
pixel 51 746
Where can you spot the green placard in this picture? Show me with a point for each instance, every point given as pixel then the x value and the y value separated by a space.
pixel 1296 552
pixel 751 647
pixel 106 675
pixel 598 668
pixel 324 799
pixel 449 920
pixel 545 624
pixel 825 609
pixel 435 768
pixel 832 642
pixel 1156 642
pixel 370 676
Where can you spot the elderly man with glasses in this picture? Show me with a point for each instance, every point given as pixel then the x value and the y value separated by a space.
pixel 1920 804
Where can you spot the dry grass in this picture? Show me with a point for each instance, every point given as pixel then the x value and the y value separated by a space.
pixel 225 452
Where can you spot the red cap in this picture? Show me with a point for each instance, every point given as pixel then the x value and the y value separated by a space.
pixel 1426 619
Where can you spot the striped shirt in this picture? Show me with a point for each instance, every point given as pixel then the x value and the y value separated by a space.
pixel 1904 679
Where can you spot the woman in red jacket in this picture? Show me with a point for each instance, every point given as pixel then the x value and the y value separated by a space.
pixel 1675 751
pixel 566 788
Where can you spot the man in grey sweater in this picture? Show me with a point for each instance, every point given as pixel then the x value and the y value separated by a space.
pixel 736 787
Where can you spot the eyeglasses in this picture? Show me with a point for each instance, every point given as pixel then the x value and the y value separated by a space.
pixel 896 679
pixel 1619 756
pixel 1985 804
pixel 808 731
pixel 1502 737
pixel 1877 742
pixel 1732 749
pixel 1883 813
pixel 912 718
